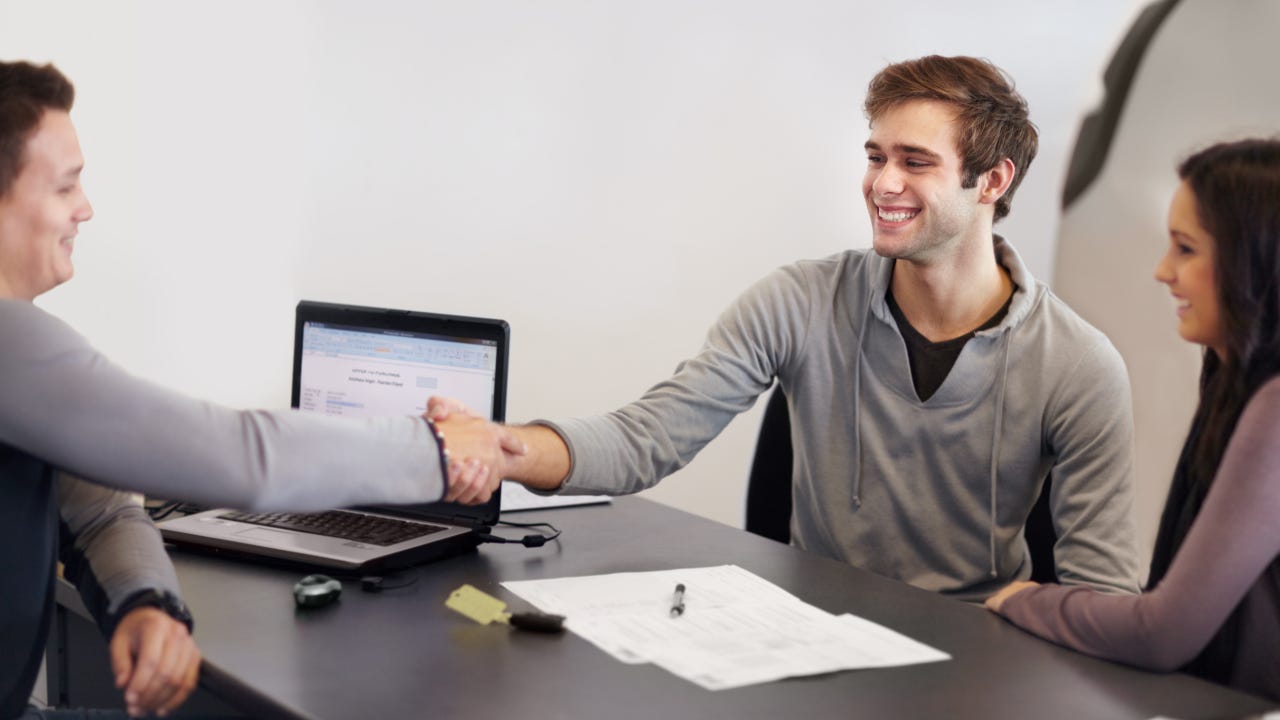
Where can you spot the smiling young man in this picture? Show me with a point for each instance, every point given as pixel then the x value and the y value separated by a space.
pixel 933 384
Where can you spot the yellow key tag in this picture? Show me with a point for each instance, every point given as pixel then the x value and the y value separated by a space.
pixel 477 605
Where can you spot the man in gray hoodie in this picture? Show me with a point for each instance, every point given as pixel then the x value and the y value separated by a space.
pixel 933 384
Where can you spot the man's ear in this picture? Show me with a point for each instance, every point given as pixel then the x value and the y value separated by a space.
pixel 994 183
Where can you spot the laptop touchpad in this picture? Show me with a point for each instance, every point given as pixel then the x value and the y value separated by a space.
pixel 268 536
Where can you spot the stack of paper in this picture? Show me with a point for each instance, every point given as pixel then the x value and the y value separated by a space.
pixel 736 629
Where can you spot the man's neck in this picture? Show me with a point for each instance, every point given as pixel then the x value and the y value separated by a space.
pixel 948 298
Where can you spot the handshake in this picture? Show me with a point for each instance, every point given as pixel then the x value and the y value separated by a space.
pixel 482 453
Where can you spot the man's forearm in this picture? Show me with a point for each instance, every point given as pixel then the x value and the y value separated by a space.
pixel 545 465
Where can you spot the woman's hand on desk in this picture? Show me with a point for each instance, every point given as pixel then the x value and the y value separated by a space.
pixel 995 602
pixel 155 661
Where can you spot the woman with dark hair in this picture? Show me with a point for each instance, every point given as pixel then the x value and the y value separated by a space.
pixel 1213 602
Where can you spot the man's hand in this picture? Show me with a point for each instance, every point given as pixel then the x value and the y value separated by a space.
pixel 441 409
pixel 154 660
pixel 535 456
pixel 995 602
pixel 478 451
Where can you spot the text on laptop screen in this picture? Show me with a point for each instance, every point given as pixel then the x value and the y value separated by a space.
pixel 364 372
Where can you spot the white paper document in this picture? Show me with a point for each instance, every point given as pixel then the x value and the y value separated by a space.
pixel 736 629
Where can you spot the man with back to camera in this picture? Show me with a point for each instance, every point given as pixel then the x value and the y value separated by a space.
pixel 932 385
pixel 67 412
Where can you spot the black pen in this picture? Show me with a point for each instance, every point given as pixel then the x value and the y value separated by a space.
pixel 677 602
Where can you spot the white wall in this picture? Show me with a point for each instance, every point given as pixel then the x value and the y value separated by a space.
pixel 606 176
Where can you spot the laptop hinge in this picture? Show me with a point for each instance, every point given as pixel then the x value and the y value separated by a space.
pixel 466 521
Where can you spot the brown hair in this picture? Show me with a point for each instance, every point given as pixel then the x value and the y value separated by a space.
pixel 992 116
pixel 26 92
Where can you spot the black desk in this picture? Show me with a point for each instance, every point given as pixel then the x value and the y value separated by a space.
pixel 401 653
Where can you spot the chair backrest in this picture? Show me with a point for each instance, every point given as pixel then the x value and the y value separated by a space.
pixel 769 485
pixel 1041 537
pixel 769 492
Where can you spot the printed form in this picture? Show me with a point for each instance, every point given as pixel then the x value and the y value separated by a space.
pixel 735 628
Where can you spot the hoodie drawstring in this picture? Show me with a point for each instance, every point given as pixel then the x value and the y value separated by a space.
pixel 995 448
pixel 857 399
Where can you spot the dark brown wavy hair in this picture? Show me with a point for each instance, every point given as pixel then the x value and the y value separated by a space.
pixel 994 123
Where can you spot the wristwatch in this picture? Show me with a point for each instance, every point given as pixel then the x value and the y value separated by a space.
pixel 171 604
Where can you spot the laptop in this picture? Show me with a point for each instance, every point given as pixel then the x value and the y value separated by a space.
pixel 369 362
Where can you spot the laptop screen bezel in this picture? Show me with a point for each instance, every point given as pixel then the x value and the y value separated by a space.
pixel 407 321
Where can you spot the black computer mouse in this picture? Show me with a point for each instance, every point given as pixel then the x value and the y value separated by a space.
pixel 315 591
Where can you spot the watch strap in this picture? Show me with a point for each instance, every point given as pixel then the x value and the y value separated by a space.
pixel 171 604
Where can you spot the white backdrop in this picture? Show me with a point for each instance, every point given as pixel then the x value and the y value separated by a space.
pixel 606 176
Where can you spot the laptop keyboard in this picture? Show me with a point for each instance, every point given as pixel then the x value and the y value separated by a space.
pixel 358 527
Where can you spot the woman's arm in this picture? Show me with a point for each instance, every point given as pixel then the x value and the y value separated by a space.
pixel 1232 542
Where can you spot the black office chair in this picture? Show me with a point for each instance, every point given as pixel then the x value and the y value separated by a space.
pixel 1041 537
pixel 769 485
pixel 769 492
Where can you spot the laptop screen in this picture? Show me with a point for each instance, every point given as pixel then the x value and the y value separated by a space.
pixel 366 362
pixel 375 372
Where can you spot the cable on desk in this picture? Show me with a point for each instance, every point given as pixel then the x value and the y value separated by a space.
pixel 378 583
pixel 529 541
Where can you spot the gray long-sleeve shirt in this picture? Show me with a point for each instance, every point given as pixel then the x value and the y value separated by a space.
pixel 1230 559
pixel 66 404
pixel 66 409
pixel 934 493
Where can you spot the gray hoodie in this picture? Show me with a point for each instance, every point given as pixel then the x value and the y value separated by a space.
pixel 933 493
